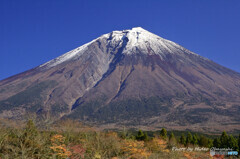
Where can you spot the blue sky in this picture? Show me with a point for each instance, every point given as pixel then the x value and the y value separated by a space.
pixel 33 32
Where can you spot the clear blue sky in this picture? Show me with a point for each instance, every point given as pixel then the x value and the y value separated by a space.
pixel 33 32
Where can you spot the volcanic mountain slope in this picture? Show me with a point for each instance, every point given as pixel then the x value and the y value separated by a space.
pixel 131 78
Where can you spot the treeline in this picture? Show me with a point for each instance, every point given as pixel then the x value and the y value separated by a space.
pixel 223 141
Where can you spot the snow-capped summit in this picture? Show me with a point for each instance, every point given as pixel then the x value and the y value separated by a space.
pixel 141 40
pixel 134 41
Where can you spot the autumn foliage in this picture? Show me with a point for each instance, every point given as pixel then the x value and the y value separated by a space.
pixel 72 140
pixel 58 147
pixel 135 149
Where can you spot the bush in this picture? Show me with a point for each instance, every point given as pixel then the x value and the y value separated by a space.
pixel 142 136
pixel 163 133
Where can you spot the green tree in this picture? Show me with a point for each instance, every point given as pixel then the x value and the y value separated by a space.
pixel 210 143
pixel 141 136
pixel 163 133
pixel 195 140
pixel 189 138
pixel 145 137
pixel 232 142
pixel 171 136
pixel 224 140
pixel 172 140
pixel 239 143
pixel 123 134
pixel 217 142
pixel 203 141
pixel 182 139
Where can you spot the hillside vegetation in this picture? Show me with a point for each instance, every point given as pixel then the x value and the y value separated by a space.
pixel 71 139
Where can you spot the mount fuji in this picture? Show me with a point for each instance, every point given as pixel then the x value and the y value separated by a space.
pixel 130 78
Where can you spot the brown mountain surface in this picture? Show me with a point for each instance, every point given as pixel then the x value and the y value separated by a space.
pixel 129 78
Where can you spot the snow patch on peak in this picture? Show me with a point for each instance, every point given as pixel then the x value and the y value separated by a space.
pixel 140 29
pixel 139 41
pixel 67 56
